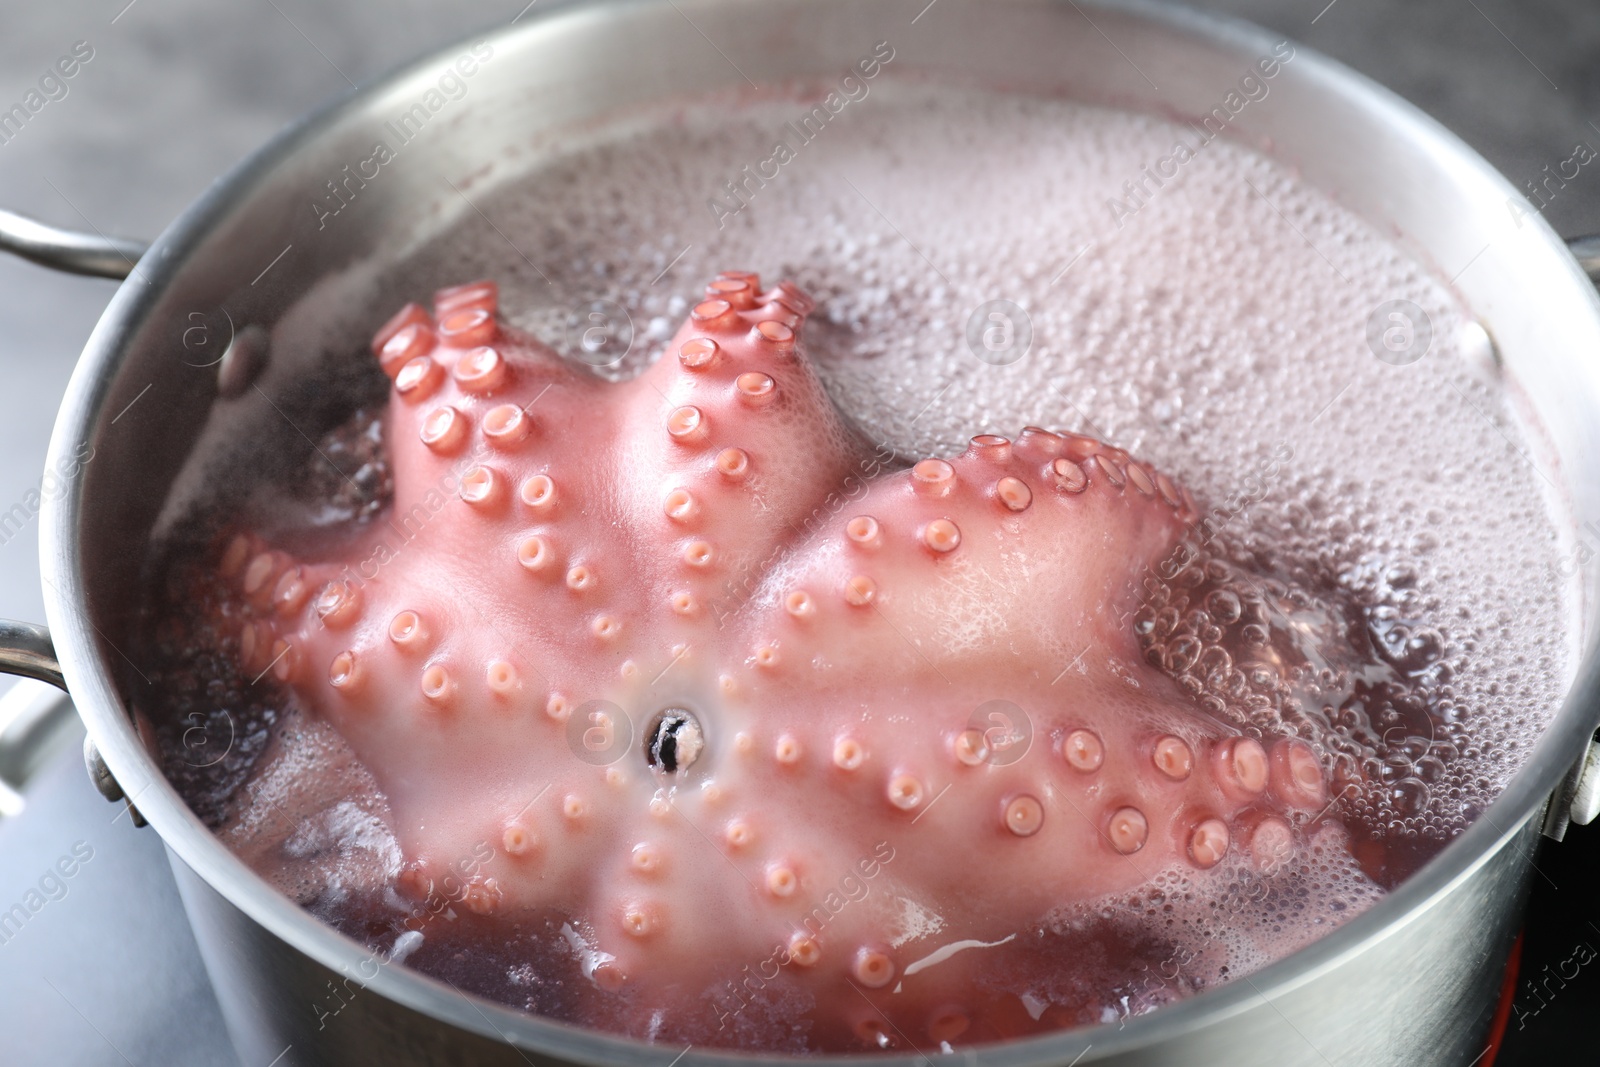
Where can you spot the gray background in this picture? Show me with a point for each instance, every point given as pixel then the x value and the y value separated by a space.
pixel 179 90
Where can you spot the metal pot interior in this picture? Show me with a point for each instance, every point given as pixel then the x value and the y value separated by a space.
pixel 256 246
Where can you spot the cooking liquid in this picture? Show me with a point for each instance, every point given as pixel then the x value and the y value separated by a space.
pixel 1376 568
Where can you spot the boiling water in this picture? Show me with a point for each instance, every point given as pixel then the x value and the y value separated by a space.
pixel 1219 325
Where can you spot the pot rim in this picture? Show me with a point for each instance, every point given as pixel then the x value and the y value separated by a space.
pixel 109 723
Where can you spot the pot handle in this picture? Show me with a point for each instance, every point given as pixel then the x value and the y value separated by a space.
pixel 1586 250
pixel 66 250
pixel 33 716
pixel 27 652
pixel 35 724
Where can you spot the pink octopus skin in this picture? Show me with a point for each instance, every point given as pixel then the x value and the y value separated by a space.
pixel 711 537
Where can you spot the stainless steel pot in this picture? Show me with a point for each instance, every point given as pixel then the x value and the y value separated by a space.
pixel 1409 982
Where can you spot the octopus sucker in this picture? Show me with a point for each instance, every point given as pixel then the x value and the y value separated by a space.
pixel 737 658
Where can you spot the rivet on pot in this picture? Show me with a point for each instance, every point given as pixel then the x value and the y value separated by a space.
pixel 242 362
pixel 99 773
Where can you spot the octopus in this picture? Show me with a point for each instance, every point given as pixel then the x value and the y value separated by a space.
pixel 688 661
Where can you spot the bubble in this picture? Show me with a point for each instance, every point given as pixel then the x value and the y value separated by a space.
pixel 1181 653
pixel 1224 606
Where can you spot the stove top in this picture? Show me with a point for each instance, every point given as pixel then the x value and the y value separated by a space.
pixel 103 970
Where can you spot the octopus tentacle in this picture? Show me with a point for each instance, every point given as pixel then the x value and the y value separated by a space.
pixel 679 658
